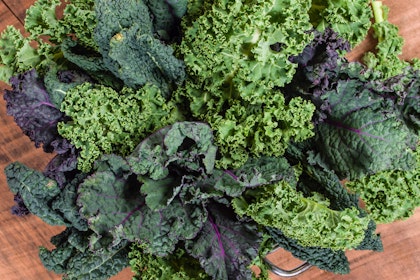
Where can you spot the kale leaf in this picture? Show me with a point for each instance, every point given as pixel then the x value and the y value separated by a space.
pixel 225 246
pixel 31 106
pixel 129 48
pixel 78 258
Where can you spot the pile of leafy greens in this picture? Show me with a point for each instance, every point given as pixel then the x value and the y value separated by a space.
pixel 193 137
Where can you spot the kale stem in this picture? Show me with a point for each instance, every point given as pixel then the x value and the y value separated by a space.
pixel 378 12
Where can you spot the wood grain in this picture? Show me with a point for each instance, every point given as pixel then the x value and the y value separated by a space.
pixel 21 237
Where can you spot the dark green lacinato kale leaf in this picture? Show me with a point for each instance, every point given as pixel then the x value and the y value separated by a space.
pixel 166 16
pixel 33 109
pixel 225 246
pixel 78 258
pixel 21 179
pixel 65 203
pixel 129 47
pixel 43 196
pixel 324 258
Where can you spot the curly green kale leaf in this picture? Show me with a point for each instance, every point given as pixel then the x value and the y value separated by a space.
pixel 78 19
pixel 178 266
pixel 309 220
pixel 350 18
pixel 106 121
pixel 129 48
pixel 41 48
pixel 77 260
pixel 390 195
pixel 235 53
pixel 385 62
pixel 17 54
pixel 234 64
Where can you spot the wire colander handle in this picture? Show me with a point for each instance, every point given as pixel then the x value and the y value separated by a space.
pixel 287 273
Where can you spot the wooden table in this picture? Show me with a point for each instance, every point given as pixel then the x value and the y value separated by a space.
pixel 21 237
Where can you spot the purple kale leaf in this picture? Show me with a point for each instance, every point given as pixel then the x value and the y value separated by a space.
pixel 19 209
pixel 30 105
pixel 317 69
pixel 225 246
pixel 63 167
pixel 318 61
pixel 404 89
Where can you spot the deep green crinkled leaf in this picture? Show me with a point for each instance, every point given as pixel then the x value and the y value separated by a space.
pixel 129 48
pixel 363 133
pixel 188 145
pixel 36 190
pixel 225 246
pixel 410 109
pixel 73 257
pixel 114 204
pixel 166 16
pixel 159 193
pixel 255 172
pixel 324 258
pixel 65 203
